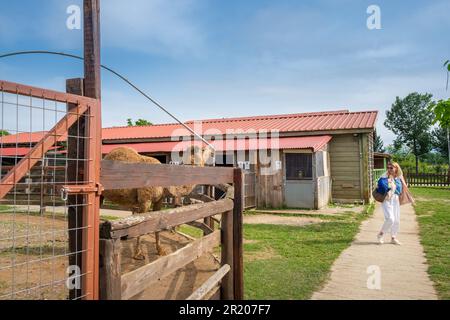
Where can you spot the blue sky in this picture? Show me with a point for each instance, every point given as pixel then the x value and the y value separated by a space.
pixel 211 58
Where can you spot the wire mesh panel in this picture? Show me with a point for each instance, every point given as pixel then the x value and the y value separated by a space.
pixel 40 247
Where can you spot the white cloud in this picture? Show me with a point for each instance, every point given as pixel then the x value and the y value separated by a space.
pixel 383 52
pixel 156 26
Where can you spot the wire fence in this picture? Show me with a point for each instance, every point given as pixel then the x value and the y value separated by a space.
pixel 39 247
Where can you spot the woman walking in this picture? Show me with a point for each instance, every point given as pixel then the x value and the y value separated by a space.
pixel 393 186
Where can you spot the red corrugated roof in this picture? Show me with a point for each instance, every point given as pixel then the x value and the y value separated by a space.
pixel 12 152
pixel 26 137
pixel 310 142
pixel 21 151
pixel 300 122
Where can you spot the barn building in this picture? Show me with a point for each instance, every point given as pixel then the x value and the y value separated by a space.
pixel 303 160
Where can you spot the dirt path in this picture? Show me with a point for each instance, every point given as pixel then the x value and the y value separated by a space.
pixel 280 220
pixel 402 269
pixel 328 211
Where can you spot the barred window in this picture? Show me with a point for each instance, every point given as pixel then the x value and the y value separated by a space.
pixel 298 166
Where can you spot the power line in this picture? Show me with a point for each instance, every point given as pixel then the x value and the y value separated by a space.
pixel 18 53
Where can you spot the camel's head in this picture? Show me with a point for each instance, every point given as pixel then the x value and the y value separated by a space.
pixel 198 156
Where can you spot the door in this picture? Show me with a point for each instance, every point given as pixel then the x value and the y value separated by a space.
pixel 298 177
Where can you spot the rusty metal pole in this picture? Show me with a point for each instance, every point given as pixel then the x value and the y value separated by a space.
pixel 92 89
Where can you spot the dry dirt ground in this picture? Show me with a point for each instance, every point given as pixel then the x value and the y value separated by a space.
pixel 327 211
pixel 34 265
pixel 280 220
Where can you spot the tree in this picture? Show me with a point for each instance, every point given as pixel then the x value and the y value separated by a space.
pixel 441 112
pixel 377 143
pixel 138 123
pixel 4 133
pixel 410 119
pixel 442 115
pixel 440 141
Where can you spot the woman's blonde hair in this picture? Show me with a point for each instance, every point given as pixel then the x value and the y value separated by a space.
pixel 396 166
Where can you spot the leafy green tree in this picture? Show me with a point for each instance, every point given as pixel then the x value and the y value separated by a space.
pixel 440 141
pixel 378 143
pixel 442 113
pixel 410 119
pixel 138 123
pixel 4 133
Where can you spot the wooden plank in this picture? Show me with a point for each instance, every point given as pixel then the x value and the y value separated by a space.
pixel 209 284
pixel 140 279
pixel 226 227
pixel 238 264
pixel 120 175
pixel 29 91
pixel 202 226
pixel 141 224
pixel 36 153
pixel 110 269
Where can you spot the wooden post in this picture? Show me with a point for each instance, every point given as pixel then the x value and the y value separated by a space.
pixel 75 150
pixel 92 89
pixel 226 225
pixel 238 265
pixel 209 221
pixel 110 270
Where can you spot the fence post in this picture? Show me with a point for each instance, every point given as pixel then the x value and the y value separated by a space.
pixel 110 270
pixel 238 265
pixel 226 230
pixel 75 174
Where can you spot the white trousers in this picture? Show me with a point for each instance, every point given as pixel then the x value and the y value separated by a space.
pixel 391 209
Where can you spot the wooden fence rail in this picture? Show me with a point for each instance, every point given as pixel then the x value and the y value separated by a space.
pixel 228 280
pixel 427 179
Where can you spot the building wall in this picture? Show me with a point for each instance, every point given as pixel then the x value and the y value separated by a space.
pixel 269 187
pixel 323 179
pixel 368 165
pixel 345 167
pixel 351 161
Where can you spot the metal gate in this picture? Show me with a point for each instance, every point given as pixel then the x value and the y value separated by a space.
pixel 50 166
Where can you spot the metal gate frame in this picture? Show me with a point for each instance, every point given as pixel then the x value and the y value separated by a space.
pixel 90 109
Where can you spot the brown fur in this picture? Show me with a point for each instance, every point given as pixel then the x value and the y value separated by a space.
pixel 138 200
pixel 145 199
pixel 194 156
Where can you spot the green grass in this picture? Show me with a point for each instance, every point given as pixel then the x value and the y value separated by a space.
pixel 191 231
pixel 433 213
pixel 105 217
pixel 286 262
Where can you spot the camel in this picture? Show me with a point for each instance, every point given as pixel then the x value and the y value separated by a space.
pixel 141 200
pixel 194 156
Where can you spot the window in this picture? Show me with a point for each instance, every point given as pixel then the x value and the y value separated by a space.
pixel 298 166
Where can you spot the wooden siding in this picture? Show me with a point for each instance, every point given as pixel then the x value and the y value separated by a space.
pixel 269 187
pixel 345 165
